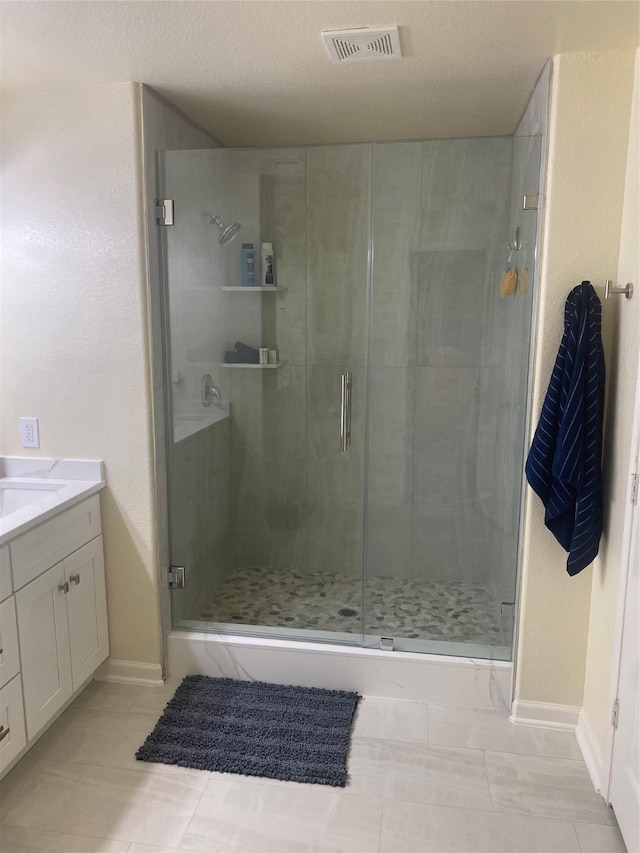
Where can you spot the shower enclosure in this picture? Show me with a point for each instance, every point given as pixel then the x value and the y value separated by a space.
pixel 364 488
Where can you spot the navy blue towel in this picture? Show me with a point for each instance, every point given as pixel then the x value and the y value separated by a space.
pixel 564 463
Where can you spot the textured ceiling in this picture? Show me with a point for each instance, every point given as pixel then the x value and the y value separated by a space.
pixel 257 74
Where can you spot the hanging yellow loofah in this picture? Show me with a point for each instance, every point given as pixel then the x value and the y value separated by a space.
pixel 508 281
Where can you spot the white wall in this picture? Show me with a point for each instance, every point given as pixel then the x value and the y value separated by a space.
pixel 624 318
pixel 74 340
pixel 74 350
pixel 589 120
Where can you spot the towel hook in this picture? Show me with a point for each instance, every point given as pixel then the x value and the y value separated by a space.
pixel 610 290
pixel 516 246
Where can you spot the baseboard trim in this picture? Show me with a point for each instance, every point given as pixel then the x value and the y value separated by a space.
pixel 591 753
pixel 130 672
pixel 544 714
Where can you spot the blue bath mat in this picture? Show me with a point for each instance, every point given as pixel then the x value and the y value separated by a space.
pixel 253 728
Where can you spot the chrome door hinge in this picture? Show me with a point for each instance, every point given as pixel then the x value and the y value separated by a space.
pixel 633 493
pixel 164 211
pixel 615 714
pixel 175 576
pixel 386 644
pixel 530 202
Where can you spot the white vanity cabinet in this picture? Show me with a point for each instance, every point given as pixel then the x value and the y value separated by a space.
pixel 12 731
pixel 54 620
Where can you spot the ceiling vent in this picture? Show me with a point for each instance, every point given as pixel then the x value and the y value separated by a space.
pixel 363 45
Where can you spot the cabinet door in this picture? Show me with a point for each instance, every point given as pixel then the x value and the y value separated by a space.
pixel 87 610
pixel 9 652
pixel 44 647
pixel 6 587
pixel 12 734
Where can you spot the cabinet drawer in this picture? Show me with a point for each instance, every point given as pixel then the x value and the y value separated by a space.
pixel 9 654
pixel 12 734
pixel 41 548
pixel 5 573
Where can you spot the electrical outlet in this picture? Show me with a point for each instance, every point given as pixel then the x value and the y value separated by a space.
pixel 29 434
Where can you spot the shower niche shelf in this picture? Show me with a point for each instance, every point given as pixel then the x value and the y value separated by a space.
pixel 267 288
pixel 254 366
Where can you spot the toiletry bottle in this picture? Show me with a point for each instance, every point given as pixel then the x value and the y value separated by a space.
pixel 248 255
pixel 268 274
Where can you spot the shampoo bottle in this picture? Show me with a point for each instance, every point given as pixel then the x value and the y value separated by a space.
pixel 268 276
pixel 248 255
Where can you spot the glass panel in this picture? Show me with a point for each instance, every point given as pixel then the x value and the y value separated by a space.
pixel 337 249
pixel 265 509
pixel 513 336
pixel 447 387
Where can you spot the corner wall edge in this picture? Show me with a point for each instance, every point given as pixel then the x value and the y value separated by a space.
pixel 591 753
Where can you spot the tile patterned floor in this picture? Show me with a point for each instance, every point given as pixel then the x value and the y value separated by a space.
pixel 396 607
pixel 424 778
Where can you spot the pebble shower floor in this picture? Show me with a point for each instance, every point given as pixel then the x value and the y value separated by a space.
pixel 437 610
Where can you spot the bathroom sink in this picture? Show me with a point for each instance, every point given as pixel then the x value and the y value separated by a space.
pixel 17 495
pixel 30 492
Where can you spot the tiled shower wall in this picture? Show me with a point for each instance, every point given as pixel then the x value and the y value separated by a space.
pixel 297 499
pixel 446 355
pixel 440 228
pixel 529 143
pixel 200 517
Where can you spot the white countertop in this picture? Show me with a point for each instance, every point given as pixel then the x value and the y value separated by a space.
pixel 34 489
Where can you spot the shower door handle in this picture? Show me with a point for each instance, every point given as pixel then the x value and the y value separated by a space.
pixel 345 412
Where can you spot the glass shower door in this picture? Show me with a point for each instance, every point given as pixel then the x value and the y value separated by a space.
pixel 265 497
pixel 338 208
pixel 448 370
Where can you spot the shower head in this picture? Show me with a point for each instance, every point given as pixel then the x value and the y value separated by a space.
pixel 227 232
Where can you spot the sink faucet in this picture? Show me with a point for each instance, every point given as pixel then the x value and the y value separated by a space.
pixel 209 392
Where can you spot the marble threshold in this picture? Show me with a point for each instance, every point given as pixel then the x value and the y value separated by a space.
pixel 441 678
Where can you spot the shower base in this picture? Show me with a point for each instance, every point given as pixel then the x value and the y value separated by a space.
pixel 440 678
pixel 395 607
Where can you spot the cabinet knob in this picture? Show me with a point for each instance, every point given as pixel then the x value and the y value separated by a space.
pixel 75 578
pixel 3 732
pixel 63 587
